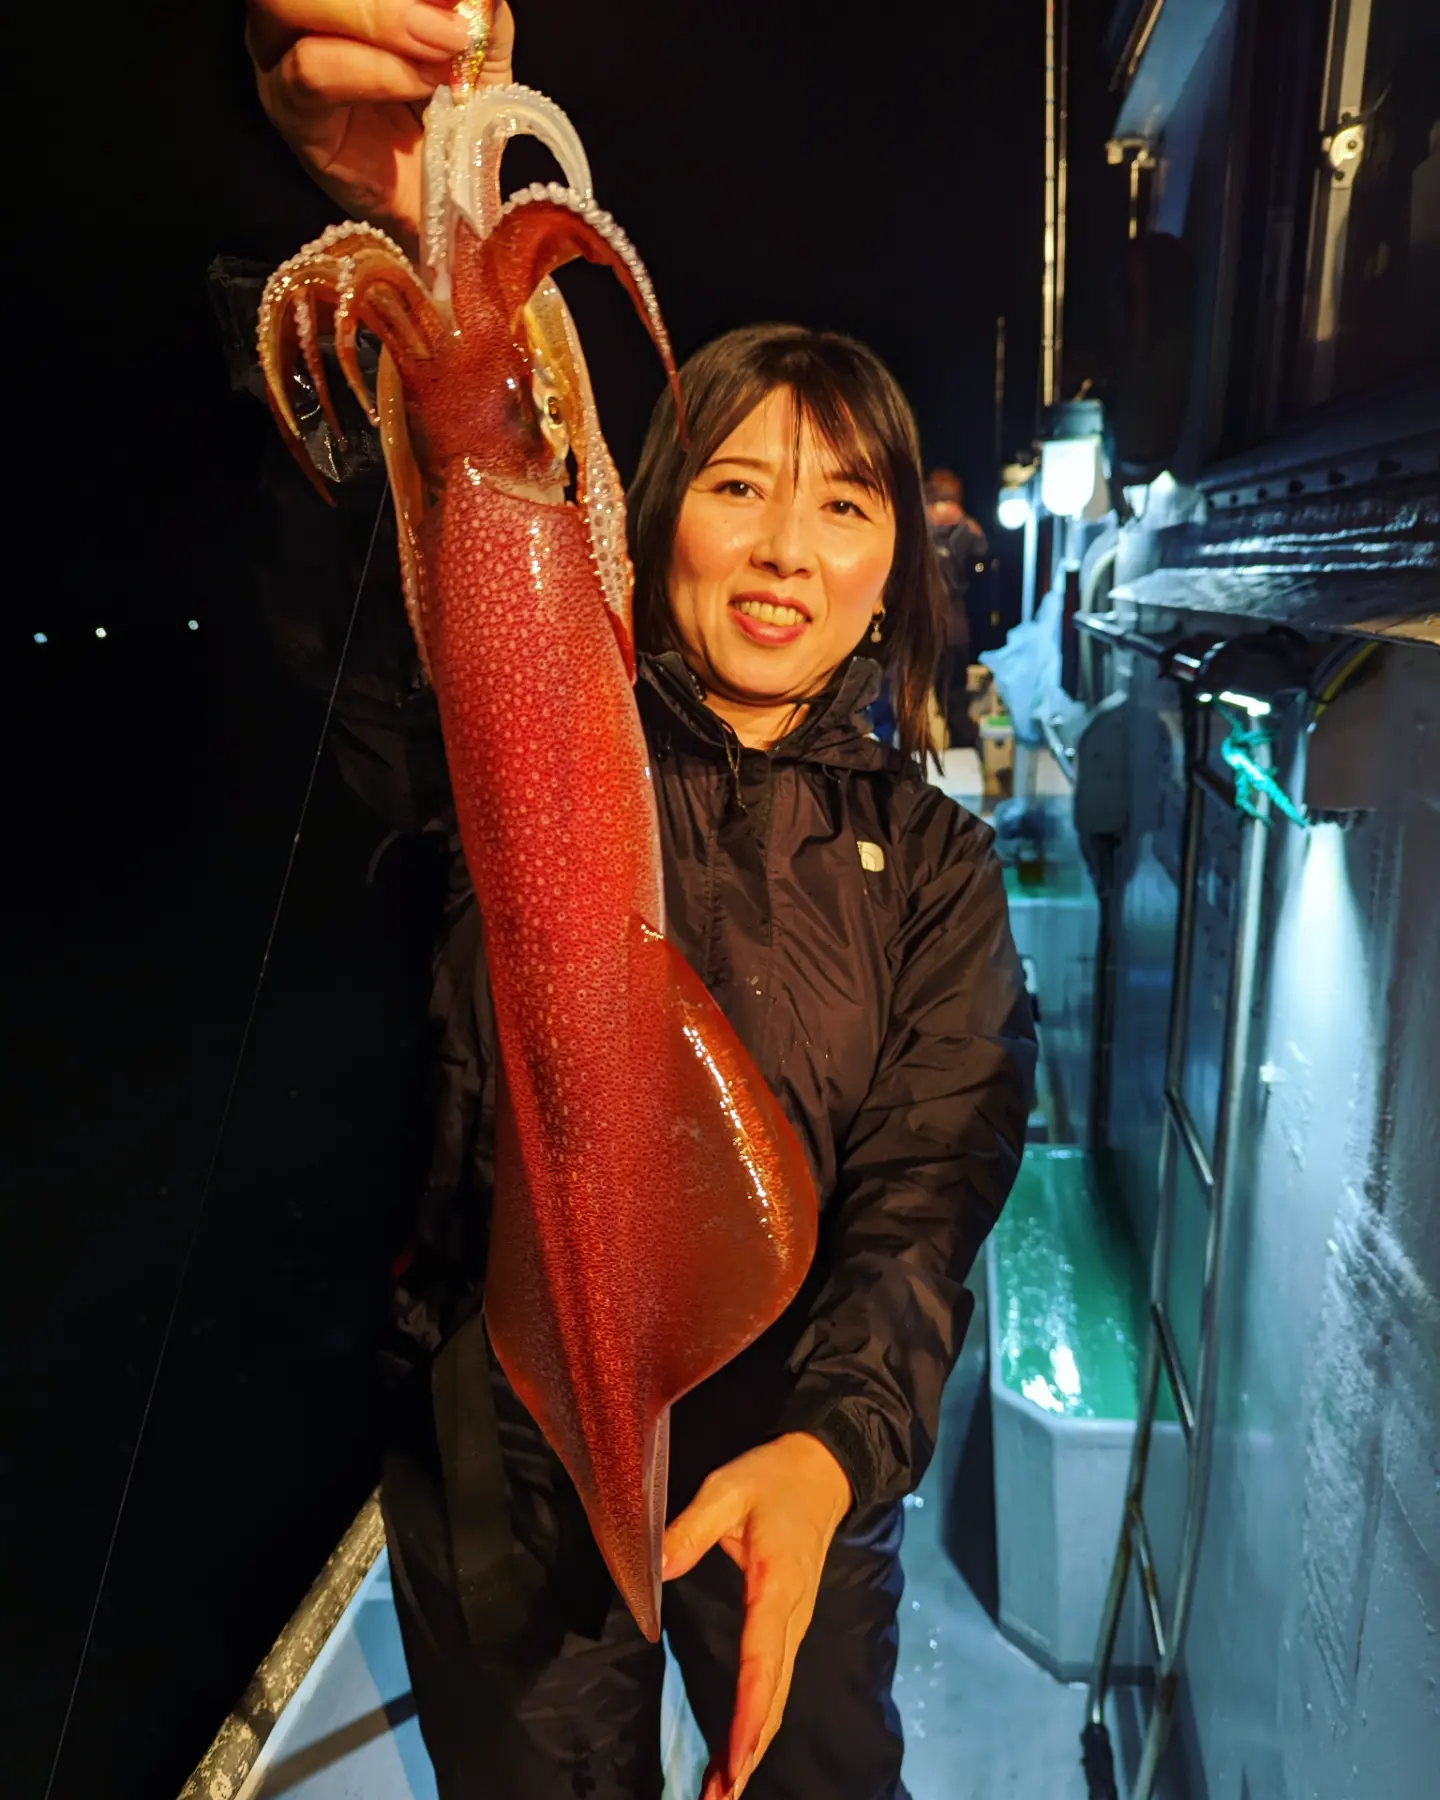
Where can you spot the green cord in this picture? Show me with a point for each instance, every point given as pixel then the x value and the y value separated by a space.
pixel 1250 779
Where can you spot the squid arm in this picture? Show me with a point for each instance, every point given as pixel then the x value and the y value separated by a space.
pixel 408 490
pixel 359 277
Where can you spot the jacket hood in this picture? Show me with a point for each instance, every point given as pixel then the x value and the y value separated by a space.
pixel 833 733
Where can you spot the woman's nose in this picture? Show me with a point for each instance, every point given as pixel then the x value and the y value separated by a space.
pixel 783 546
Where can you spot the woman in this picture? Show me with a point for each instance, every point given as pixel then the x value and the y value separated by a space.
pixel 851 922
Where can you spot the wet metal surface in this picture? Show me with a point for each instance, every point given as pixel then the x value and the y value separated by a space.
pixel 1313 1661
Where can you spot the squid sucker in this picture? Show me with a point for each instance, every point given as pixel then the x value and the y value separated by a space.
pixel 654 1211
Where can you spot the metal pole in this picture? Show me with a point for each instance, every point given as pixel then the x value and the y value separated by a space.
pixel 1180 983
pixel 1062 186
pixel 1102 1007
pixel 1024 768
pixel 1230 1149
pixel 1031 566
pixel 1047 292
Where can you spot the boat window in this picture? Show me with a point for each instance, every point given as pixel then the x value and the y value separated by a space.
pixel 1372 308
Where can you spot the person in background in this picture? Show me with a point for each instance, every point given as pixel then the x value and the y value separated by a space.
pixel 960 544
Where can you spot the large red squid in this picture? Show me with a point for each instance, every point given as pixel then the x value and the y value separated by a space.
pixel 653 1209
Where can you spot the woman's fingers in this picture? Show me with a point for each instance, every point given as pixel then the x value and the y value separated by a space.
pixel 404 27
pixel 321 72
pixel 776 1619
pixel 716 1511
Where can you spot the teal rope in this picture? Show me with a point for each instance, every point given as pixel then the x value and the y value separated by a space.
pixel 1250 779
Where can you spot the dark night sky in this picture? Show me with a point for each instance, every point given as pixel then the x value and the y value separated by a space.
pixel 873 169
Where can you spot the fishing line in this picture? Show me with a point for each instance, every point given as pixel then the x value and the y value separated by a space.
pixel 219 1143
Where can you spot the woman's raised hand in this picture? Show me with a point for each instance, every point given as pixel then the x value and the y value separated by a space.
pixel 345 83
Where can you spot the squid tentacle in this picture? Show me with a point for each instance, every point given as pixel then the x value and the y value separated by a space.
pixel 364 276
pixel 387 306
pixel 598 490
pixel 307 332
pixel 464 147
pixel 407 489
pixel 538 242
pixel 492 117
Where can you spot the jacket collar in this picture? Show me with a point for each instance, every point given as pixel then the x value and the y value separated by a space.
pixel 833 731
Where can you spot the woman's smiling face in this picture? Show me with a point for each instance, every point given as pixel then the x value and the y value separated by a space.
pixel 780 560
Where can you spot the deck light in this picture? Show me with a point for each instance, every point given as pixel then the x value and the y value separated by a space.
pixel 1250 673
pixel 41 638
pixel 101 632
pixel 1016 505
pixel 1013 509
pixel 1072 462
pixel 1069 475
pixel 1257 709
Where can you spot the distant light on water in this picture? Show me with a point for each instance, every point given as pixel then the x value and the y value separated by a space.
pixel 101 632
pixel 41 638
pixel 194 624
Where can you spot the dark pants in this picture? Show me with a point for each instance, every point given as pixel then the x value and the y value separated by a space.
pixel 577 1713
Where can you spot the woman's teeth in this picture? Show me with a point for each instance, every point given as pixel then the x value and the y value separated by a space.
pixel 770 613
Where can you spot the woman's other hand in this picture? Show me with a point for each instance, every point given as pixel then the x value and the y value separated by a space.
pixel 345 83
pixel 773 1512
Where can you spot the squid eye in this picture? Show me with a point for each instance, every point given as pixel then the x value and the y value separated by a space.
pixel 552 406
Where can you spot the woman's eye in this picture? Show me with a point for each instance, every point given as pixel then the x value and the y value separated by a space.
pixel 847 509
pixel 742 490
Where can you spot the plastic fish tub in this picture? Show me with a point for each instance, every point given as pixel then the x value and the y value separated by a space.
pixel 1066 1322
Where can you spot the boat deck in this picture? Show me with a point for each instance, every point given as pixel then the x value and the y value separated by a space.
pixel 981 1719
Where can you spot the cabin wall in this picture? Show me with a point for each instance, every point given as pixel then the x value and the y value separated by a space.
pixel 1314 1652
pixel 1190 204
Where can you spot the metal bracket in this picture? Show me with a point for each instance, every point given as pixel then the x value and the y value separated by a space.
pixel 1141 149
pixel 1139 153
pixel 1344 150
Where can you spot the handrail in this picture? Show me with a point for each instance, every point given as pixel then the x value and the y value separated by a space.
pixel 230 1760
pixel 1136 44
pixel 1105 627
pixel 1063 753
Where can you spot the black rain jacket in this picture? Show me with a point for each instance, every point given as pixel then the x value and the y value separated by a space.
pixel 850 920
pixel 847 916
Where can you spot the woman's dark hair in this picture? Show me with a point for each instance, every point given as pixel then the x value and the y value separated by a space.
pixel 847 395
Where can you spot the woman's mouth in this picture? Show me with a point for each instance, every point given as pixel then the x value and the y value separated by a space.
pixel 768 621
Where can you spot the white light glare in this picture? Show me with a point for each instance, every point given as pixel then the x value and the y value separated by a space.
pixel 1257 709
pixel 194 624
pixel 1013 510
pixel 41 638
pixel 100 631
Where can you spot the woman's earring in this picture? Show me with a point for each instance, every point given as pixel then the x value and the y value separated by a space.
pixel 875 630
